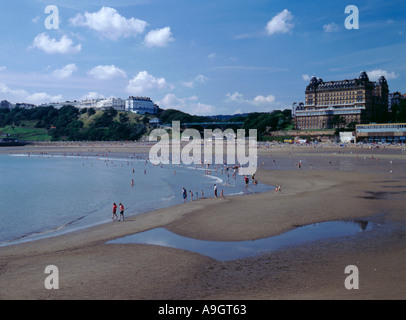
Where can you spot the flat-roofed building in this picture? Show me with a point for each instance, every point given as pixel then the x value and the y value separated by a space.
pixel 140 105
pixel 386 132
pixel 115 103
pixel 335 104
pixel 6 105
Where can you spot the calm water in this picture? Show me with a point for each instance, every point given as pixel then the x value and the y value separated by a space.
pixel 42 196
pixel 232 250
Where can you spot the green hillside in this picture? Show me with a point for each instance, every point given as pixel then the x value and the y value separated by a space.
pixel 25 133
pixel 73 124
pixel 70 123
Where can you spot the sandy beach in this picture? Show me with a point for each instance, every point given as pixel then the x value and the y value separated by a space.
pixel 332 183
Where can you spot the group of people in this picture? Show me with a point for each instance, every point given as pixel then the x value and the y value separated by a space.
pixel 121 208
pixel 184 194
pixel 215 192
pixel 247 180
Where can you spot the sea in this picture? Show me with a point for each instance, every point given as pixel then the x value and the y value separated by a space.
pixel 48 195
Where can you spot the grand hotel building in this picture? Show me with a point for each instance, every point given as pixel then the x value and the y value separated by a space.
pixel 335 104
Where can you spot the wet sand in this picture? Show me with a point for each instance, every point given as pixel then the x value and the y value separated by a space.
pixel 331 184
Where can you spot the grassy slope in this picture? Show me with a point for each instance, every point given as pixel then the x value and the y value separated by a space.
pixel 28 132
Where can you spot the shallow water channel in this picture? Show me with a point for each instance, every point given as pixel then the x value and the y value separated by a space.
pixel 232 250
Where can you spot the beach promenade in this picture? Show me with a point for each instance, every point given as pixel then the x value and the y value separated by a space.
pixel 332 183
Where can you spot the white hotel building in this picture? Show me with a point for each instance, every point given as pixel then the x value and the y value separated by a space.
pixel 115 103
pixel 140 105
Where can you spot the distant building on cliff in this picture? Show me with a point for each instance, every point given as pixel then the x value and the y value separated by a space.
pixel 140 105
pixel 115 103
pixel 6 105
pixel 335 104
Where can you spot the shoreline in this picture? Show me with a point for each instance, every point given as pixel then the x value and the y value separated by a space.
pixel 92 269
pixel 96 155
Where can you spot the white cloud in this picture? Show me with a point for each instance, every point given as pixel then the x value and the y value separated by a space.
pixel 92 95
pixel 2 68
pixel 144 82
pixel 258 101
pixel 109 23
pixel 21 95
pixel 306 77
pixel 235 97
pixel 262 100
pixel 66 71
pixel 158 37
pixel 375 74
pixel 36 19
pixel 107 72
pixel 280 23
pixel 189 105
pixel 6 90
pixel 51 46
pixel 41 97
pixel 331 27
pixel 199 79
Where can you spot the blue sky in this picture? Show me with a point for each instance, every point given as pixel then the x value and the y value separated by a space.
pixel 203 57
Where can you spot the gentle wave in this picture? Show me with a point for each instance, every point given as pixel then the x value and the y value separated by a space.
pixel 40 233
pixel 216 179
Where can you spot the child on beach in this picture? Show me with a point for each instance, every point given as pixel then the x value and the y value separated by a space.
pixel 121 212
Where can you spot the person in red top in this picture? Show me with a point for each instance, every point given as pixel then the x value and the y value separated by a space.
pixel 114 212
pixel 121 212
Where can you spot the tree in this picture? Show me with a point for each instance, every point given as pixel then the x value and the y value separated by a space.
pixel 399 112
pixel 105 120
pixel 124 118
pixel 91 111
pixel 352 125
pixel 337 121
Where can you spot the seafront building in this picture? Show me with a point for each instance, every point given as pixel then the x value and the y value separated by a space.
pixel 115 103
pixel 140 105
pixel 385 132
pixel 395 98
pixel 102 104
pixel 335 104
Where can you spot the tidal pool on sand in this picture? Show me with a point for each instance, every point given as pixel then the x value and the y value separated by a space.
pixel 232 250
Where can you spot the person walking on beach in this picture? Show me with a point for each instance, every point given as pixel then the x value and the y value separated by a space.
pixel 121 212
pixel 114 212
pixel 215 191
pixel 184 194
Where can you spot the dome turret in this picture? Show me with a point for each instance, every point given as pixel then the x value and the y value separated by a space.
pixel 382 79
pixel 363 77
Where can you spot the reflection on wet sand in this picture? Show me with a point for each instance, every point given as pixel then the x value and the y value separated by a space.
pixel 232 250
